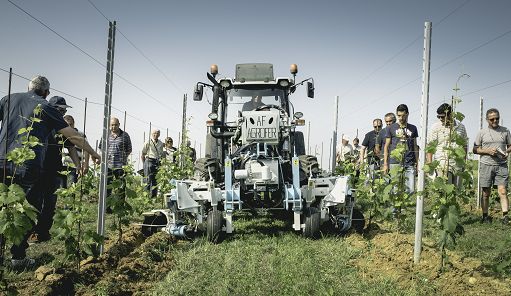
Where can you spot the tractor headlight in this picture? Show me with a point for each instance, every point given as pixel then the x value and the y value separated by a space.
pixel 284 82
pixel 213 116
pixel 298 115
pixel 225 83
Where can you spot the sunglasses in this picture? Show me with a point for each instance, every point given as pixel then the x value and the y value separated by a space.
pixel 377 126
pixel 494 119
pixel 440 116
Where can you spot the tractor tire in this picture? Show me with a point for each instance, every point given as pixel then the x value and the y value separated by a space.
pixel 213 147
pixel 358 221
pixel 156 221
pixel 215 222
pixel 202 168
pixel 299 143
pixel 309 165
pixel 312 223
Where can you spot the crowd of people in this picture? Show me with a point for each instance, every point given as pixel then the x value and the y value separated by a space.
pixel 62 155
pixel 492 143
pixel 65 148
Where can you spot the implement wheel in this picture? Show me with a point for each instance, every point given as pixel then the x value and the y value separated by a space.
pixel 312 223
pixel 153 224
pixel 214 231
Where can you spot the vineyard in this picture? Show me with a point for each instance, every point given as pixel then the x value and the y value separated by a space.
pixel 263 256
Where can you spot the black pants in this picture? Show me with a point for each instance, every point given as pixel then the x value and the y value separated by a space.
pixel 150 169
pixel 26 178
pixel 47 185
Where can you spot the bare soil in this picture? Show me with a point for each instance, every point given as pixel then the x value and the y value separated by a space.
pixel 390 255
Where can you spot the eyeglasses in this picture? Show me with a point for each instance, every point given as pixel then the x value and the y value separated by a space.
pixel 377 126
pixel 494 119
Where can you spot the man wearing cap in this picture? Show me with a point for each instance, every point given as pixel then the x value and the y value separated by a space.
pixel 50 176
pixel 15 112
pixel 344 150
pixel 152 153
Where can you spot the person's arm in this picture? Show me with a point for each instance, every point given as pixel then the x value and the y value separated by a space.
pixel 85 162
pixel 73 154
pixel 416 151
pixel 386 155
pixel 144 152
pixel 74 137
pixel 362 155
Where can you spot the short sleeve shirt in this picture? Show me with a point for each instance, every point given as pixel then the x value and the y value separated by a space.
pixel 405 135
pixel 153 149
pixel 441 134
pixel 370 140
pixel 493 138
pixel 21 109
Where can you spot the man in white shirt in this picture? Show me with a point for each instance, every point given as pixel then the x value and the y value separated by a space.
pixel 441 132
pixel 152 152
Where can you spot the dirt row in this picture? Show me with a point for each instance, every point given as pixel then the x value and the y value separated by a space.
pixel 390 255
pixel 127 268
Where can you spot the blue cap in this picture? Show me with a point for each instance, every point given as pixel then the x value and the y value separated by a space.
pixel 58 102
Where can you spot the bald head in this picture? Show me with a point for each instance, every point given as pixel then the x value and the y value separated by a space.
pixel 114 125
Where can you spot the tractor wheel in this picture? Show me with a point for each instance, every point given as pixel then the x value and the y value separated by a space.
pixel 202 168
pixel 312 223
pixel 309 164
pixel 358 221
pixel 157 221
pixel 214 231
pixel 299 143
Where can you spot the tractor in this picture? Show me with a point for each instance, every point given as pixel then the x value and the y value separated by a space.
pixel 255 159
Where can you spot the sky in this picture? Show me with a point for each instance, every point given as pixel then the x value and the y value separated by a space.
pixel 369 53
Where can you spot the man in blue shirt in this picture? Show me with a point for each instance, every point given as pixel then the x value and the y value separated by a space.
pixel 406 134
pixel 15 113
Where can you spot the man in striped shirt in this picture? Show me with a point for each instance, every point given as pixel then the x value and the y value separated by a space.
pixel 119 147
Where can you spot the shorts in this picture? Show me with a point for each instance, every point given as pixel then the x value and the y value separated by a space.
pixel 493 175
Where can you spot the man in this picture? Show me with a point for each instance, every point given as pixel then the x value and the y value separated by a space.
pixel 50 178
pixel 253 104
pixel 169 149
pixel 402 132
pixel 152 153
pixel 356 146
pixel 368 150
pixel 192 153
pixel 83 156
pixel 389 118
pixel 15 114
pixel 345 150
pixel 119 147
pixel 493 144
pixel 441 132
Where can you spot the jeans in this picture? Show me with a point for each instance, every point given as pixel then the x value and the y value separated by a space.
pixel 150 169
pixel 409 175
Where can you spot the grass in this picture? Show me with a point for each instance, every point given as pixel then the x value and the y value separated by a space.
pixel 488 242
pixel 264 262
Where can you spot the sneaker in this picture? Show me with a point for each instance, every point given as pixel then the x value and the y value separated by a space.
pixel 20 263
pixel 505 220
pixel 487 219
